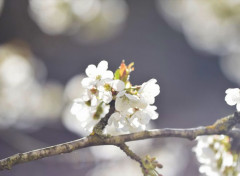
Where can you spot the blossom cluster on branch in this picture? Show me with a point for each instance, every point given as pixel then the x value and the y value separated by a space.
pixel 110 105
pixel 133 104
pixel 215 153
pixel 133 109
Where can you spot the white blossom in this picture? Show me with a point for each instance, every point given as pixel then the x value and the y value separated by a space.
pixel 146 114
pixel 95 74
pixel 106 86
pixel 148 91
pixel 125 102
pixel 85 113
pixel 233 97
pixel 134 110
pixel 84 20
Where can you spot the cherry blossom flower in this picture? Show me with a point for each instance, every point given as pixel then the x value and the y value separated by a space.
pixel 149 90
pixel 88 115
pixel 125 101
pixel 133 107
pixel 233 97
pixel 95 74
pixel 106 86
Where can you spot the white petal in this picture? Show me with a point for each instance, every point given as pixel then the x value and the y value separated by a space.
pixel 114 119
pixel 135 123
pixel 107 74
pixel 86 95
pixel 232 96
pixel 150 110
pixel 118 85
pixel 142 103
pixel 238 107
pixel 132 97
pixel 144 120
pixel 149 90
pixel 141 116
pixel 101 89
pixel 122 104
pixel 229 100
pixel 102 82
pixel 107 97
pixel 94 101
pixel 232 91
pixel 91 71
pixel 120 94
pixel 154 115
pixel 105 110
pixel 119 104
pixel 88 82
pixel 102 66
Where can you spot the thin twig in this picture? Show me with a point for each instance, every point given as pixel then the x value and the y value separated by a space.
pixel 221 126
pixel 131 154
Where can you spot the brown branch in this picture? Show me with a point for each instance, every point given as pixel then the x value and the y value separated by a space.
pixel 221 126
pixel 98 129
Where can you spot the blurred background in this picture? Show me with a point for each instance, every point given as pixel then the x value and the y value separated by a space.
pixel 190 47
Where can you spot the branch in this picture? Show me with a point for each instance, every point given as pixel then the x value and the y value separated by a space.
pixel 98 129
pixel 221 126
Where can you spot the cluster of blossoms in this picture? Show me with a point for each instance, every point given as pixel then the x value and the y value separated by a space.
pixel 133 107
pixel 215 155
pixel 86 20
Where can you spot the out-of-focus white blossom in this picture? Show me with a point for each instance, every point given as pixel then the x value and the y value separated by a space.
pixel 215 156
pixel 173 155
pixel 16 71
pixel 233 97
pixel 88 20
pixel 133 104
pixel 73 90
pixel 88 114
pixel 230 65
pixel 26 100
pixel 114 153
pixel 209 25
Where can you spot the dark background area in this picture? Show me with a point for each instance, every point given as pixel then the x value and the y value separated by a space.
pixel 191 82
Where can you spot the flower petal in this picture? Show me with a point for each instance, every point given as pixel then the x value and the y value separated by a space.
pixel 88 82
pixel 107 74
pixel 233 96
pixel 91 71
pixel 118 85
pixel 238 107
pixel 102 66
